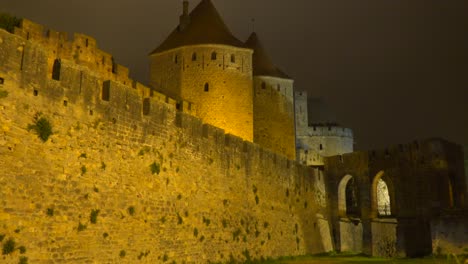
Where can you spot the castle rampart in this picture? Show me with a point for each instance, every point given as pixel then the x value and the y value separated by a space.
pixel 130 174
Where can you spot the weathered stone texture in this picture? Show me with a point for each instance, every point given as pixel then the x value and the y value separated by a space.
pixel 220 88
pixel 167 186
pixel 274 115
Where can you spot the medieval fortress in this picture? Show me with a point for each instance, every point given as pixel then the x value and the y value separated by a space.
pixel 218 160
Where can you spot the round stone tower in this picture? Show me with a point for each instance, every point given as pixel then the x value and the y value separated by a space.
pixel 273 103
pixel 203 63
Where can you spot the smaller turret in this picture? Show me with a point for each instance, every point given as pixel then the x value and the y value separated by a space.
pixel 184 19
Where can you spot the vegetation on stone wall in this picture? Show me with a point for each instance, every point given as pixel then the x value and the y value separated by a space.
pixel 41 126
pixel 8 246
pixel 155 168
pixel 3 94
pixel 93 216
pixel 9 22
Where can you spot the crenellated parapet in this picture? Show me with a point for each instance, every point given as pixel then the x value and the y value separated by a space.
pixel 25 55
pixel 82 50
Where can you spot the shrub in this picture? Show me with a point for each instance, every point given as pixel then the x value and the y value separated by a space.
pixel 93 216
pixel 131 210
pixel 23 260
pixel 2 236
pixel 42 127
pixel 9 22
pixel 3 94
pixel 9 246
pixel 50 211
pixel 105 235
pixel 122 253
pixel 155 168
pixel 22 249
pixel 195 232
pixel 83 170
pixel 81 227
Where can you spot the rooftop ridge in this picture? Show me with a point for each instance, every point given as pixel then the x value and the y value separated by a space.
pixel 204 26
pixel 262 63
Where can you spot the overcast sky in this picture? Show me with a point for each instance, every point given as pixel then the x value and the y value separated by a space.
pixel 392 70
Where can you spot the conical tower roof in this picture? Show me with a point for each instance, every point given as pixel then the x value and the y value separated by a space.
pixel 262 64
pixel 205 27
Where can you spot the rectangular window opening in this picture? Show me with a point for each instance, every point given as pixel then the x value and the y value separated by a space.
pixel 2 81
pixel 105 91
pixel 146 106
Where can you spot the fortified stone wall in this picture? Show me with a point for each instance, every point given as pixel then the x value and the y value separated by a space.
pixel 82 50
pixel 324 141
pixel 216 78
pixel 125 176
pixel 423 178
pixel 274 115
pixel 314 142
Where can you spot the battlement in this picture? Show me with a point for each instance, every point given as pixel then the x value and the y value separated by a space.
pixel 82 49
pixel 74 83
pixel 309 158
pixel 331 130
pixel 420 151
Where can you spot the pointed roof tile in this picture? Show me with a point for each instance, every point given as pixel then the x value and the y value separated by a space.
pixel 262 64
pixel 206 27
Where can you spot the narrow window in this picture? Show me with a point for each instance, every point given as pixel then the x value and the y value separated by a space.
pixel 65 103
pixel 176 59
pixel 87 42
pixel 56 70
pixel 263 85
pixel 36 92
pixel 2 80
pixel 207 87
pixel 194 56
pixel 213 55
pixel 106 91
pixel 146 106
pixel 233 58
pixel 321 147
pixel 91 112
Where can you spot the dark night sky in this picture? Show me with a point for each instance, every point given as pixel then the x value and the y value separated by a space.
pixel 392 70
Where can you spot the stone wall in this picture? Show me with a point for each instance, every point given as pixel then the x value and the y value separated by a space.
pixel 423 178
pixel 318 141
pixel 274 115
pixel 449 233
pixel 126 177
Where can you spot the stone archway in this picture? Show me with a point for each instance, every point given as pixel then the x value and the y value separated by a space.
pixel 348 204
pixel 382 196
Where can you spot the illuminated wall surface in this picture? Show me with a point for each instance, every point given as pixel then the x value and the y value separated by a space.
pixel 126 176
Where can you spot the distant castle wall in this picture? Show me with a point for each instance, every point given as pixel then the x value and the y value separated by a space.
pixel 160 185
pixel 274 114
pixel 313 142
pixel 423 179
pixel 216 78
